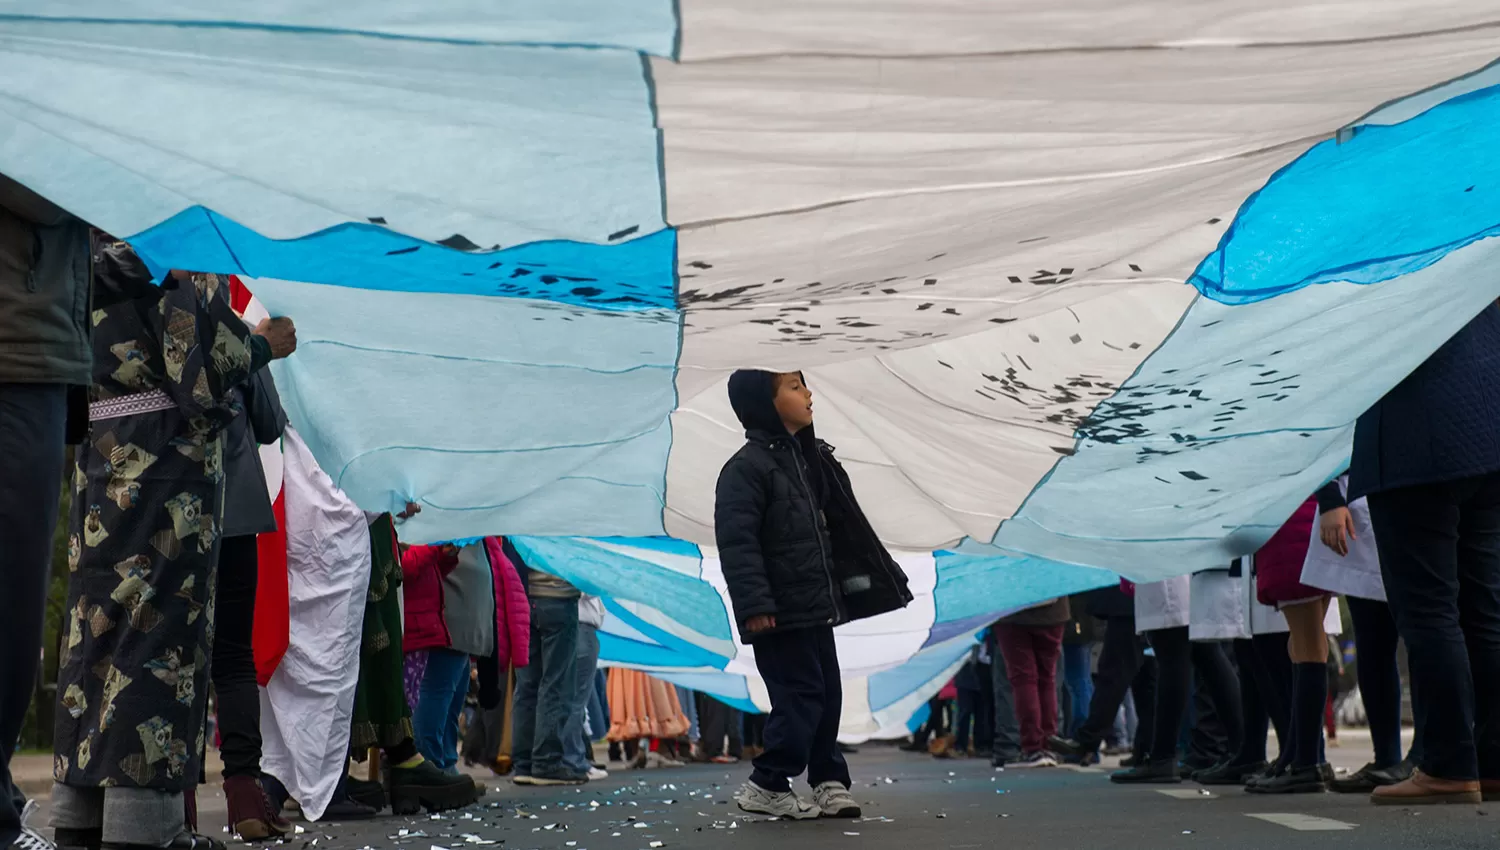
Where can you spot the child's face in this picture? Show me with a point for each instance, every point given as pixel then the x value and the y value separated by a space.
pixel 793 401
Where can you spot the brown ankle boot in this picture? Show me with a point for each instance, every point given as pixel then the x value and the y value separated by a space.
pixel 251 815
pixel 1422 789
pixel 1490 790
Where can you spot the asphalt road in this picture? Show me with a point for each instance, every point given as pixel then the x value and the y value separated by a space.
pixel 911 803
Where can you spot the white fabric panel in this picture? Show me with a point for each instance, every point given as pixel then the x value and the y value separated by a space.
pixel 946 440
pixel 728 28
pixel 1217 607
pixel 1163 604
pixel 901 228
pixel 307 705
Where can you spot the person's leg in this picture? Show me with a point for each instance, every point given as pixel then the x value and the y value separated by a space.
pixel 32 420
pixel 1275 683
pixel 965 721
pixel 1174 675
pixel 1417 534
pixel 790 664
pixel 456 707
pixel 689 704
pixel 1007 743
pixel 1379 676
pixel 826 761
pixel 142 816
pixel 1046 642
pixel 575 743
pixel 1143 692
pixel 714 718
pixel 557 685
pixel 1021 664
pixel 1221 682
pixel 984 721
pixel 1479 615
pixel 1307 645
pixel 523 705
pixel 233 668
pixel 1257 721
pixel 734 724
pixel 435 701
pixel 1077 660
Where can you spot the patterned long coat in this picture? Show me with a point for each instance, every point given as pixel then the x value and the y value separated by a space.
pixel 144 533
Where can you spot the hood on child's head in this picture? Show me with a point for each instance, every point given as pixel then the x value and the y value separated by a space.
pixel 752 394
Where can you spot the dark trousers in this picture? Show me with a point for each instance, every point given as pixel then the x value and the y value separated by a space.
pixel 546 690
pixel 1253 711
pixel 1208 733
pixel 236 694
pixel 1379 675
pixel 32 419
pixel 1274 681
pixel 1176 658
pixel 801 671
pixel 720 721
pixel 1119 660
pixel 1143 695
pixel 972 720
pixel 1440 558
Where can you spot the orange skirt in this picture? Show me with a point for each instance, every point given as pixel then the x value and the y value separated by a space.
pixel 641 706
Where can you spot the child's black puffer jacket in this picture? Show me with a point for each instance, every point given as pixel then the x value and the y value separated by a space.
pixel 792 540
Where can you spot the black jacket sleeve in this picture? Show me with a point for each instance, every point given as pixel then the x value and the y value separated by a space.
pixel 739 510
pixel 1330 496
pixel 263 408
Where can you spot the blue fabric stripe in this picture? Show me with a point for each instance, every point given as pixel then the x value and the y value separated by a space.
pixel 1387 202
pixel 631 275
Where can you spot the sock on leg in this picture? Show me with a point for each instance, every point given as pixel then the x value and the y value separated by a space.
pixel 1309 696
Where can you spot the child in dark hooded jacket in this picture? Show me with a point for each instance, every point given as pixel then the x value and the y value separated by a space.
pixel 799 558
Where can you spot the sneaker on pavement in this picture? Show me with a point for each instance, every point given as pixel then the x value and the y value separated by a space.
pixel 556 779
pixel 30 839
pixel 725 760
pixel 597 773
pixel 1037 759
pixel 758 801
pixel 835 801
pixel 523 779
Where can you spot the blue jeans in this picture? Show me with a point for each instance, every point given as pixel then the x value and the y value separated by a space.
pixel 690 710
pixel 598 707
pixel 546 690
pixel 444 686
pixel 586 660
pixel 1077 661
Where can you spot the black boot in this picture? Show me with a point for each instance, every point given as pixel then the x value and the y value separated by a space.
pixel 1293 780
pixel 413 788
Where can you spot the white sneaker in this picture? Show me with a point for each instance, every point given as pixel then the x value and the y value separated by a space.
pixel 30 839
pixel 835 801
pixel 1038 759
pixel 758 801
pixel 597 773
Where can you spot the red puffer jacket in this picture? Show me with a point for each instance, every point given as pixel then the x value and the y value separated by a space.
pixel 422 571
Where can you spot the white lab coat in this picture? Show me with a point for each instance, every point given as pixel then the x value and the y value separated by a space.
pixel 1356 574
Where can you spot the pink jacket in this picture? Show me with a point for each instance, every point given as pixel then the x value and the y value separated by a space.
pixel 512 608
pixel 422 571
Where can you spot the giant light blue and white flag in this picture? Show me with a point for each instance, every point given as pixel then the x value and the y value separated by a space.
pixel 533 239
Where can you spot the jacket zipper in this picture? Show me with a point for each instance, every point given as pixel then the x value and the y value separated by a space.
pixel 833 593
pixel 865 525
